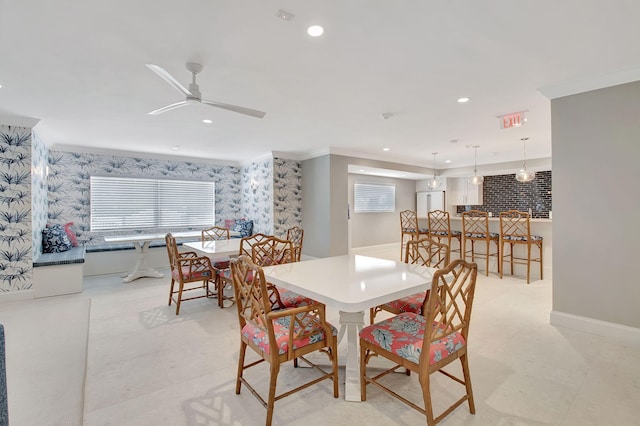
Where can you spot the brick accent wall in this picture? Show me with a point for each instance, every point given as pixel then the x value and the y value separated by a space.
pixel 504 192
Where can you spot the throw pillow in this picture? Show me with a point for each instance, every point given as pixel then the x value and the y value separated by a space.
pixel 55 240
pixel 229 223
pixel 246 228
pixel 71 234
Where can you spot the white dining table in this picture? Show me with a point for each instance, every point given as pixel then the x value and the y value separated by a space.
pixel 141 244
pixel 215 249
pixel 351 284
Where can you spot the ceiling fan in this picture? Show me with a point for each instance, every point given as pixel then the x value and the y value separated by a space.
pixel 192 95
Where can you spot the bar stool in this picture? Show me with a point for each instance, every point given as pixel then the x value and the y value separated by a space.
pixel 475 227
pixel 440 228
pixel 516 230
pixel 409 226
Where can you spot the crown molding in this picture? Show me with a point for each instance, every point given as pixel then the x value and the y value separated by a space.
pixel 122 153
pixel 14 120
pixel 589 83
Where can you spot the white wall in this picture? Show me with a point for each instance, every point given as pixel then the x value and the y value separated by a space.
pixel 368 229
pixel 596 231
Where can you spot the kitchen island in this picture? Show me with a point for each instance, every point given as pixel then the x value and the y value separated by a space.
pixel 541 227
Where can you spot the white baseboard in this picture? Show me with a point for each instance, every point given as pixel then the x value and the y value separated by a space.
pixel 630 335
pixel 16 296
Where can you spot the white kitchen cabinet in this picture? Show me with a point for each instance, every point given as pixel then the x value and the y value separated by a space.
pixel 463 193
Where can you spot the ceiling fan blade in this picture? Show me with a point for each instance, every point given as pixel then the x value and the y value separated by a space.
pixel 162 73
pixel 168 108
pixel 235 108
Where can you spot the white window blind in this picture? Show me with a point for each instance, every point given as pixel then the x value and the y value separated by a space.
pixel 130 203
pixel 369 197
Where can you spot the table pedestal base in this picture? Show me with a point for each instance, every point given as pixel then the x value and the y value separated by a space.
pixel 352 323
pixel 141 269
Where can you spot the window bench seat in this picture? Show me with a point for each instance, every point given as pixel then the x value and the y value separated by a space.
pixel 58 273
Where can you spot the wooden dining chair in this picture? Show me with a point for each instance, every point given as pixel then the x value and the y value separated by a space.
pixel 425 252
pixel 274 251
pixel 515 230
pixel 409 227
pixel 278 336
pixel 475 228
pixel 188 268
pixel 439 224
pixel 215 233
pixel 220 264
pixel 295 234
pixel 224 276
pixel 427 343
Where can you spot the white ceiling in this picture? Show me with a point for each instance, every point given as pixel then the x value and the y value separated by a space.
pixel 79 67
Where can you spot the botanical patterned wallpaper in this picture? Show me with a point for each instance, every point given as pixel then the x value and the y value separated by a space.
pixel 287 195
pixel 257 195
pixel 69 174
pixel 39 161
pixel 16 270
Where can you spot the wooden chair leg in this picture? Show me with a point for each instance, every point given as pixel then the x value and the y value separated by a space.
pixel 275 369
pixel 363 370
pixel 243 350
pixel 171 291
pixel 426 396
pixel 540 250
pixel 467 383
pixel 179 300
pixel 528 263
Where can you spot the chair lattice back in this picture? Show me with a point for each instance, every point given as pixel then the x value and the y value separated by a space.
pixel 449 304
pixel 409 221
pixel 172 248
pixel 249 286
pixel 427 252
pixel 296 235
pixel 247 242
pixel 439 222
pixel 215 233
pixel 272 251
pixel 475 222
pixel 515 224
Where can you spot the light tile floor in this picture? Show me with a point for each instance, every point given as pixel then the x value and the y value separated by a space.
pixel 147 366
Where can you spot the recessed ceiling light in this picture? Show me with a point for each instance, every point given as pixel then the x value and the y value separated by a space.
pixel 207 121
pixel 362 170
pixel 447 161
pixel 175 148
pixel 315 30
pixel 463 100
pixel 386 149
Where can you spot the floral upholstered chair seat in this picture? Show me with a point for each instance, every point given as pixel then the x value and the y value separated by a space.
pixel 481 235
pixel 445 233
pixel 403 335
pixel 521 238
pixel 281 326
pixel 411 303
pixel 291 299
pixel 191 275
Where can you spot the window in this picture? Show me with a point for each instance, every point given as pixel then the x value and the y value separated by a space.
pixel 131 203
pixel 370 197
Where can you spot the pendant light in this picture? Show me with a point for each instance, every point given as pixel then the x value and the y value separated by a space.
pixel 525 175
pixel 435 182
pixel 475 179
